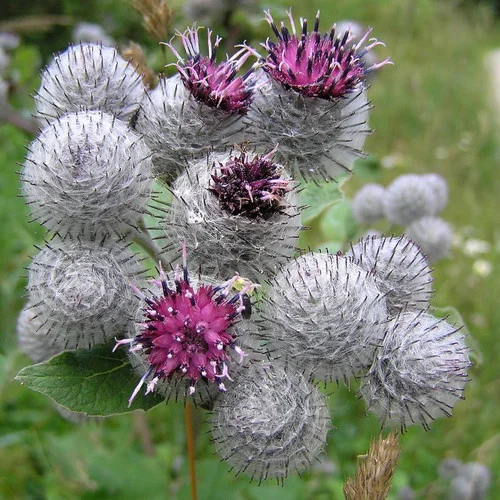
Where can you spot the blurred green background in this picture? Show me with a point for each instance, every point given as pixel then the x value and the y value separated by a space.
pixel 434 111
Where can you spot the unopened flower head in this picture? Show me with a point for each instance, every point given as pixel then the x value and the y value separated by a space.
pixel 216 85
pixel 419 372
pixel 271 423
pixel 368 204
pixel 439 186
pixel 187 331
pixel 400 269
pixel 316 65
pixel 237 213
pixel 433 235
pixel 250 185
pixel 89 76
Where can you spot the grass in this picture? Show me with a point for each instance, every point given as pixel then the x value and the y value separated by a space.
pixel 433 113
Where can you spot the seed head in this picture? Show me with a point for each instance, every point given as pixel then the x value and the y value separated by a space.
pixel 89 77
pixel 272 422
pixel 433 235
pixel 87 171
pixel 187 334
pixel 80 294
pixel 408 199
pixel 419 371
pixel 368 204
pixel 314 65
pixel 215 85
pixel 326 314
pixel 399 269
pixel 237 212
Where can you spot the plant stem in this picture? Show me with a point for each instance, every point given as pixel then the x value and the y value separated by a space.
pixel 143 238
pixel 190 448
pixel 142 429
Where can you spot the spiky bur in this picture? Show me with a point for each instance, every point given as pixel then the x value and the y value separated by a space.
pixel 79 291
pixel 89 76
pixel 87 171
pixel 199 109
pixel 273 422
pixel 439 186
pixel 419 372
pixel 399 269
pixel 237 212
pixel 368 204
pixel 188 332
pixel 408 199
pixel 314 104
pixel 433 235
pixel 326 314
pixel 375 470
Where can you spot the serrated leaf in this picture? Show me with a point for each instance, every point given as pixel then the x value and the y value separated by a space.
pixel 97 382
pixel 318 196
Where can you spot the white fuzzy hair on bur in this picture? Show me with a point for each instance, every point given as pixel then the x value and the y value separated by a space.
pixel 89 76
pixel 87 170
pixel 434 235
pixel 271 423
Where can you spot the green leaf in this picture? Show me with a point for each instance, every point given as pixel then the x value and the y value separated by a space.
pixel 318 196
pixel 97 382
pixel 338 223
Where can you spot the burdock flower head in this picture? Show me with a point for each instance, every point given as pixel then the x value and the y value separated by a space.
pixel 216 85
pixel 325 66
pixel 187 332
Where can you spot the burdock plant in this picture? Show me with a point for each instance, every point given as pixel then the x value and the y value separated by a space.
pixel 200 335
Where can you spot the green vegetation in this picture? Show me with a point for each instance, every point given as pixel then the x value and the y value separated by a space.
pixel 433 113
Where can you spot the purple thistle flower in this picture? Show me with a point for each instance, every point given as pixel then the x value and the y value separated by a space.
pixel 186 333
pixel 327 66
pixel 216 85
pixel 249 185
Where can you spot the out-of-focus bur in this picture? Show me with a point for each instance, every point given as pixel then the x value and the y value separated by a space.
pixel 399 269
pixel 198 110
pixel 237 212
pixel 91 33
pixel 213 10
pixel 472 482
pixel 314 103
pixel 419 372
pixel 273 422
pixel 434 236
pixel 439 187
pixel 326 314
pixel 80 294
pixel 87 171
pixel 368 204
pixel 408 199
pixel 89 77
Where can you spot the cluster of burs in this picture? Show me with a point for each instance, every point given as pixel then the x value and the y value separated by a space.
pixel 412 201
pixel 233 150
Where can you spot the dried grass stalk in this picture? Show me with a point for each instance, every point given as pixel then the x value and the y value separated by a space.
pixel 373 477
pixel 133 52
pixel 156 17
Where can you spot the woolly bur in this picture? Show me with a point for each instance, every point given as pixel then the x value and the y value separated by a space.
pixel 314 103
pixel 188 332
pixel 89 77
pixel 326 314
pixel 368 204
pixel 399 269
pixel 433 235
pixel 87 171
pixel 273 422
pixel 419 371
pixel 237 212
pixel 197 110
pixel 79 292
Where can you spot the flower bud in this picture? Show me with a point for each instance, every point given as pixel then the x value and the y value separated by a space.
pixel 439 187
pixel 419 371
pixel 237 212
pixel 408 199
pixel 89 77
pixel 368 204
pixel 80 292
pixel 325 313
pixel 433 235
pixel 87 171
pixel 399 269
pixel 272 422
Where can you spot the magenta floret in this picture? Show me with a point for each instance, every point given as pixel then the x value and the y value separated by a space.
pixel 216 85
pixel 327 66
